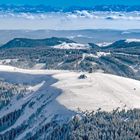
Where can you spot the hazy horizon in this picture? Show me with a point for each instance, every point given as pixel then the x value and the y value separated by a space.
pixel 43 18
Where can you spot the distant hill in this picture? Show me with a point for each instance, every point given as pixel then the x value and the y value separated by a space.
pixel 124 44
pixel 31 43
pixel 80 36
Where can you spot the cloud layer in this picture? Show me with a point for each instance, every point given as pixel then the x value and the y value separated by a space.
pixel 71 20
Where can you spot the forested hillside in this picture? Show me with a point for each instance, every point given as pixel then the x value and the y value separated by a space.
pixel 122 125
pixel 120 58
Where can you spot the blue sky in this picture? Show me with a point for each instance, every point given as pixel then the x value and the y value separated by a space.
pixel 66 3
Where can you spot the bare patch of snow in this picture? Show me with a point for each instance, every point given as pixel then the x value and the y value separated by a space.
pixel 39 66
pixel 104 44
pixel 99 54
pixel 71 46
pixel 132 40
pixel 36 87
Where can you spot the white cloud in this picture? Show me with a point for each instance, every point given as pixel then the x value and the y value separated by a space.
pixel 76 20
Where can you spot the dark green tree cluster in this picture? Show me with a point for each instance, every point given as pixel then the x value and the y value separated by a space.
pixel 8 90
pixel 123 61
pixel 100 125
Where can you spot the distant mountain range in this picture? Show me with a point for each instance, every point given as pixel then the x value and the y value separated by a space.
pixel 43 8
pixel 54 41
pixel 80 36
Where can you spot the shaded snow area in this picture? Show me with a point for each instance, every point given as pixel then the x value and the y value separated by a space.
pixel 38 107
pixel 57 95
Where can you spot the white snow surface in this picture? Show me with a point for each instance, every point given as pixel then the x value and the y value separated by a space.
pixel 132 40
pixel 104 44
pixel 39 66
pixel 97 91
pixel 71 46
pixel 58 94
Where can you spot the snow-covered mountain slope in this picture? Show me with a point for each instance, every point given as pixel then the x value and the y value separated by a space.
pixel 100 90
pixel 104 44
pixel 57 95
pixel 34 110
pixel 132 40
pixel 71 46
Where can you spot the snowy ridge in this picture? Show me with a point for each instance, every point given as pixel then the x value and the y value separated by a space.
pixel 104 44
pixel 93 82
pixel 71 46
pixel 58 95
pixel 132 40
